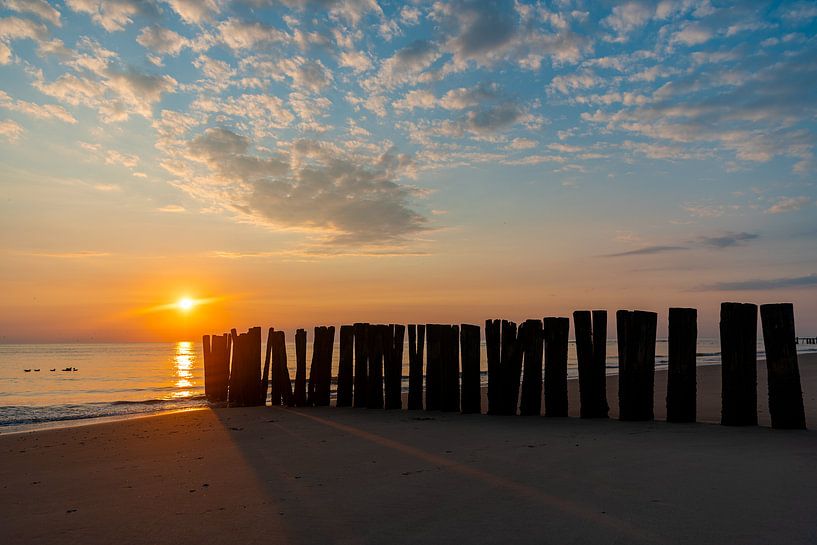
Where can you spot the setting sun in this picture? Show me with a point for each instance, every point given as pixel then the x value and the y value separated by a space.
pixel 185 304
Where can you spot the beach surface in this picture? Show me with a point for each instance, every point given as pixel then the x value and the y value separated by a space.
pixel 327 475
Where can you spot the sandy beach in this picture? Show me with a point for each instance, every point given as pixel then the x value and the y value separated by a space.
pixel 327 475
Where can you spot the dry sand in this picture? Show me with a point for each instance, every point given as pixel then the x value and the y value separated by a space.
pixel 327 475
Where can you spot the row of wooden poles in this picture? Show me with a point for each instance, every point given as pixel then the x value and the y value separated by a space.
pixel 805 340
pixel 522 361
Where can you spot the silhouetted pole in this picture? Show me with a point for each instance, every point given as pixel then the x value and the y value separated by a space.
pixel 361 365
pixel 416 335
pixel 636 374
pixel 374 380
pixel 738 329
pixel 236 365
pixel 493 353
pixel 393 372
pixel 592 372
pixel 599 371
pixel 265 374
pixel 681 366
pixel 556 332
pixel 281 382
pixel 205 345
pixel 471 398
pixel 785 393
pixel 433 365
pixel 218 368
pixel 315 365
pixel 531 340
pixel 345 366
pixel 510 368
pixel 450 368
pixel 323 393
pixel 299 397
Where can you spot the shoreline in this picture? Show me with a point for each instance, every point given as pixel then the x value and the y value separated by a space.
pixel 659 397
pixel 276 475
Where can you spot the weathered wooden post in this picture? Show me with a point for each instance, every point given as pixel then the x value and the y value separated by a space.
pixel 433 364
pixel 636 366
pixel 345 366
pixel 374 379
pixel 785 393
pixel 236 366
pixel 681 367
pixel 299 397
pixel 208 372
pixel 738 328
pixel 315 367
pixel 531 340
pixel 471 398
pixel 599 370
pixel 592 368
pixel 416 334
pixel 511 368
pixel 281 382
pixel 325 385
pixel 361 365
pixel 253 395
pixel 219 368
pixel 394 336
pixel 556 332
pixel 493 353
pixel 265 374
pixel 450 368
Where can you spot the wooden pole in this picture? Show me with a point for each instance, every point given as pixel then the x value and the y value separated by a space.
pixel 738 328
pixel 785 393
pixel 599 370
pixel 374 380
pixel 433 364
pixel 471 399
pixel 314 366
pixel 416 335
pixel 493 351
pixel 345 366
pixel 583 330
pixel 450 368
pixel 219 367
pixel 393 372
pixel 531 340
pixel 556 332
pixel 299 397
pixel 681 366
pixel 281 382
pixel 361 365
pixel 387 343
pixel 254 368
pixel 265 375
pixel 235 369
pixel 511 368
pixel 636 375
pixel 208 372
pixel 325 384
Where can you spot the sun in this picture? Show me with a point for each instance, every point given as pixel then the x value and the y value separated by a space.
pixel 185 303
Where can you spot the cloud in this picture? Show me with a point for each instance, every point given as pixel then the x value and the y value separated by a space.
pixel 308 74
pixel 311 187
pixel 239 35
pixel 195 11
pixel 113 15
pixel 10 130
pixel 162 40
pixel 727 240
pixel 626 18
pixel 81 254
pixel 40 8
pixel 5 53
pixel 15 28
pixel 172 209
pixel 649 250
pixel 404 66
pixel 691 34
pixel 788 204
pixel 807 281
pixel 39 111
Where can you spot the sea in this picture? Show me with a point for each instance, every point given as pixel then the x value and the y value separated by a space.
pixel 47 385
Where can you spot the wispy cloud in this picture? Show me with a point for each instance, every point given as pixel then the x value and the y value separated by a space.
pixel 649 250
pixel 761 284
pixel 727 240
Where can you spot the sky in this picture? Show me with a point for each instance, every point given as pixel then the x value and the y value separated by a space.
pixel 290 163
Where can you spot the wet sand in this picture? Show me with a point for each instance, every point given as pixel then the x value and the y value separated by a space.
pixel 327 475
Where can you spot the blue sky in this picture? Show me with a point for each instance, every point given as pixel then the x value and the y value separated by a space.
pixel 638 140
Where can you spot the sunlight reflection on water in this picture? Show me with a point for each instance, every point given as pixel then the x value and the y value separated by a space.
pixel 183 361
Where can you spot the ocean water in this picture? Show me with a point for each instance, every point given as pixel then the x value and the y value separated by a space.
pixel 117 380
